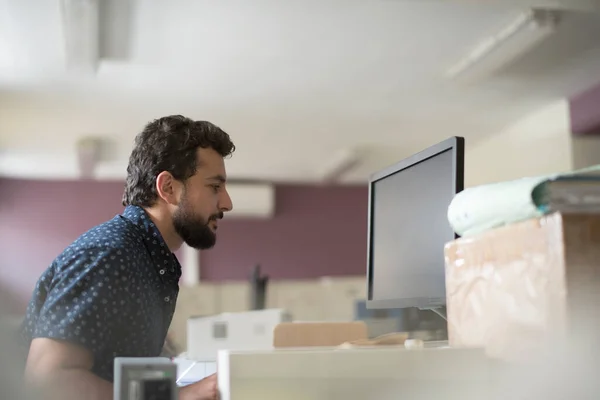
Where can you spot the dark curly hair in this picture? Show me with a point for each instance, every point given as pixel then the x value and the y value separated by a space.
pixel 169 144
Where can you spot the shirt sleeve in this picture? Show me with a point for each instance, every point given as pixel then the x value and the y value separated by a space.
pixel 87 294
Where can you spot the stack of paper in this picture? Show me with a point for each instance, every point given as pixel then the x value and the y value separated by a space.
pixel 189 371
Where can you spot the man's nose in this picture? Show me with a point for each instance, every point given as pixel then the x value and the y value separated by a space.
pixel 225 203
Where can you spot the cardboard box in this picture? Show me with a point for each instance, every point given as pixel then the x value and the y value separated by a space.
pixel 317 334
pixel 515 289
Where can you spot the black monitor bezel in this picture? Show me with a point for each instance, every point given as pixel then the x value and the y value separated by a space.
pixel 456 144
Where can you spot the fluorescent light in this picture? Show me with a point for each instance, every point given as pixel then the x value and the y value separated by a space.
pixel 80 20
pixel 512 42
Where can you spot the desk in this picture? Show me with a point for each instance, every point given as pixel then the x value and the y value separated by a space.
pixel 392 373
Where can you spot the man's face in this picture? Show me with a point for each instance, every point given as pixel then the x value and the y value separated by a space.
pixel 203 201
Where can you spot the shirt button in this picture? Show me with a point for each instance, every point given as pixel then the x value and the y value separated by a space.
pixel 167 299
pixel 162 272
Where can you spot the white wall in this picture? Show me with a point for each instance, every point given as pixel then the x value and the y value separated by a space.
pixel 586 151
pixel 537 144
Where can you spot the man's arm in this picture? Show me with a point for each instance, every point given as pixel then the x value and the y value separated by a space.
pixel 75 324
pixel 62 371
pixel 67 334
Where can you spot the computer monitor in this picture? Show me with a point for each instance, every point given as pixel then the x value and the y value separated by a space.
pixel 408 227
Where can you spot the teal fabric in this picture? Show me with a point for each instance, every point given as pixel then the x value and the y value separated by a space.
pixel 481 208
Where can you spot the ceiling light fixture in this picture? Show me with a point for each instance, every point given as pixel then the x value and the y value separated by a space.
pixel 498 51
pixel 80 21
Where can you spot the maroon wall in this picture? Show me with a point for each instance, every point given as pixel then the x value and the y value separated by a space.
pixel 585 112
pixel 317 231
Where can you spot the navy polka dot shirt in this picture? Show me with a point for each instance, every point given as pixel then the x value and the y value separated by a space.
pixel 112 291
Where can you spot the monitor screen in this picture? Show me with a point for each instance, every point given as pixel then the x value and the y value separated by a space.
pixel 408 230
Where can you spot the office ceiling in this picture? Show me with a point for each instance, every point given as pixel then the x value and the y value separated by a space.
pixel 298 85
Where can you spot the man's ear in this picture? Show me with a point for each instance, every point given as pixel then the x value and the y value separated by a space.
pixel 168 188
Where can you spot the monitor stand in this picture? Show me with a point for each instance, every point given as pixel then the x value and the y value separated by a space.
pixel 440 311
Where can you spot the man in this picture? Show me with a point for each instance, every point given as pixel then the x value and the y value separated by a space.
pixel 113 291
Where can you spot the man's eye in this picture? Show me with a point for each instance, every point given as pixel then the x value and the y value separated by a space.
pixel 216 187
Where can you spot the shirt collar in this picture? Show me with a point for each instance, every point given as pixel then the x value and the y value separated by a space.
pixel 167 264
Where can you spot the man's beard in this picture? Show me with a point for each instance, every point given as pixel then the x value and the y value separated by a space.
pixel 194 229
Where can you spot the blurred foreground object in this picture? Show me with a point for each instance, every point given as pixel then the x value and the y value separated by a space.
pixel 518 289
pixel 12 360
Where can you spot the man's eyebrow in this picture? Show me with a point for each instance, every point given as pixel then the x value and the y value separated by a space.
pixel 219 178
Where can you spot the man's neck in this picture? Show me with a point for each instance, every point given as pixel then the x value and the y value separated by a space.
pixel 162 219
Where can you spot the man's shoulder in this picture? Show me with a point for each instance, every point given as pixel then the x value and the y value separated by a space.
pixel 117 232
pixel 114 237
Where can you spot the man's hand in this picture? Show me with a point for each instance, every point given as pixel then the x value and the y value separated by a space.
pixel 206 389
